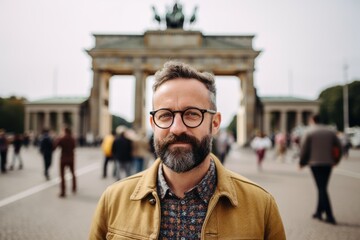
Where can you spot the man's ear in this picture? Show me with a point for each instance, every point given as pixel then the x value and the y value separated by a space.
pixel 216 121
pixel 151 119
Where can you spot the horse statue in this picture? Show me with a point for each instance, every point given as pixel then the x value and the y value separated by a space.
pixel 175 18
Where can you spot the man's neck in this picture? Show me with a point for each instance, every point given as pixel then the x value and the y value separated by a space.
pixel 180 183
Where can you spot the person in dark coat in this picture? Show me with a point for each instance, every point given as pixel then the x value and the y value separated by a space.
pixel 4 145
pixel 321 150
pixel 67 159
pixel 46 150
pixel 122 151
pixel 17 142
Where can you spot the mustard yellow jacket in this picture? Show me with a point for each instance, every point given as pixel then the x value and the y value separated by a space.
pixel 239 209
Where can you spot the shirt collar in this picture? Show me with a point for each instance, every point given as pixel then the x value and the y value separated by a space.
pixel 205 188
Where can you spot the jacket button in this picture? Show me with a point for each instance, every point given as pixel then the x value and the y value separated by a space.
pixel 152 201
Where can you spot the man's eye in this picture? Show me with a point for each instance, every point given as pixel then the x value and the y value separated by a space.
pixel 192 114
pixel 164 116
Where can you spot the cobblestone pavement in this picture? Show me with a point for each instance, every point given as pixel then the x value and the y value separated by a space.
pixel 30 208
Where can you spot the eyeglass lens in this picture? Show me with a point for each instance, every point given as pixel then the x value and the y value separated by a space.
pixel 191 117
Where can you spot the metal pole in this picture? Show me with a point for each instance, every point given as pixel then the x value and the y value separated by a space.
pixel 346 99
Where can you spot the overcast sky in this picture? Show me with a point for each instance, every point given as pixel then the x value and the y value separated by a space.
pixel 304 44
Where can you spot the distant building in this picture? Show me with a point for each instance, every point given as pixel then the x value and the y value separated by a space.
pixel 280 113
pixel 55 113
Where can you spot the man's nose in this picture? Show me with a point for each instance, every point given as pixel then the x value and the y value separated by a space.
pixel 178 126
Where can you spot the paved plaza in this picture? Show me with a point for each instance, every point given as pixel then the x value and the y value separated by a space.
pixel 30 207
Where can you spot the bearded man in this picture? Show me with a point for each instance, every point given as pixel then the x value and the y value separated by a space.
pixel 187 193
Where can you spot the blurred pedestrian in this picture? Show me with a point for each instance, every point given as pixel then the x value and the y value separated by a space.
pixel 122 151
pixel 67 144
pixel 4 145
pixel 141 150
pixel 26 140
pixel 260 144
pixel 17 142
pixel 321 150
pixel 223 144
pixel 345 143
pixel 106 147
pixel 281 146
pixel 46 150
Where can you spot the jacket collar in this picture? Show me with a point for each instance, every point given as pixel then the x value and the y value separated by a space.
pixel 225 186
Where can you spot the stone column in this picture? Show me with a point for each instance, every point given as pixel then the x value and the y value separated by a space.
pixel 75 123
pixel 140 104
pixel 105 116
pixel 266 123
pixel 299 118
pixel 59 122
pixel 99 113
pixel 36 123
pixel 283 121
pixel 47 119
pixel 246 115
pixel 94 103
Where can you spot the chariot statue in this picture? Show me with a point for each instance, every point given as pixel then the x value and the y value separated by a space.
pixel 174 19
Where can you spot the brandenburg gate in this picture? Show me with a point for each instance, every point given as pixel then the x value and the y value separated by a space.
pixel 142 55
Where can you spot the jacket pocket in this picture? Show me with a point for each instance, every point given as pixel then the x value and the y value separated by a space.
pixel 124 236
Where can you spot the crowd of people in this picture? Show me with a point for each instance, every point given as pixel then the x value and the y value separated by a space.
pixel 130 152
pixel 47 144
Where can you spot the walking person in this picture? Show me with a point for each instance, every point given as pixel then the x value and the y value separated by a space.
pixel 4 145
pixel 17 142
pixel 281 146
pixel 46 150
pixel 122 151
pixel 106 147
pixel 67 159
pixel 140 150
pixel 260 144
pixel 187 193
pixel 222 145
pixel 321 151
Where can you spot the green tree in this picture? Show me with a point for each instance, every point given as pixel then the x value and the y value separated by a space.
pixel 332 105
pixel 12 114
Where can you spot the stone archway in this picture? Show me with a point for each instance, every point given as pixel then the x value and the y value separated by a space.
pixel 143 55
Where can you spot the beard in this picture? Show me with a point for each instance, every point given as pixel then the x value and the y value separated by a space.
pixel 180 159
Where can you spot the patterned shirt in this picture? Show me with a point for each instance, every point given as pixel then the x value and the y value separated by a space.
pixel 182 218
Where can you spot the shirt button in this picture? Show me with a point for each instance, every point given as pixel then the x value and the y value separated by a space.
pixel 152 201
pixel 182 202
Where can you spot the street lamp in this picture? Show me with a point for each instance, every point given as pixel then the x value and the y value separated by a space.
pixel 346 99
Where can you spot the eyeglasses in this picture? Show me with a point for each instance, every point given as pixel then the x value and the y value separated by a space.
pixel 191 117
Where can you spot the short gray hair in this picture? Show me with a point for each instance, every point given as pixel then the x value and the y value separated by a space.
pixel 174 69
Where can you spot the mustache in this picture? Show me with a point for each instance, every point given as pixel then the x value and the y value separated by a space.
pixel 183 137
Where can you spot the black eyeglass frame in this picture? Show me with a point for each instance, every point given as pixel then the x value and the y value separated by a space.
pixel 203 111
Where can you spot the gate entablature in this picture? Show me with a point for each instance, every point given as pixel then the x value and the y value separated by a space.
pixel 143 55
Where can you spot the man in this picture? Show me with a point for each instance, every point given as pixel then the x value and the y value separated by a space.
pixel 4 145
pixel 260 144
pixel 186 193
pixel 106 146
pixel 122 151
pixel 46 149
pixel 321 150
pixel 17 142
pixel 67 159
